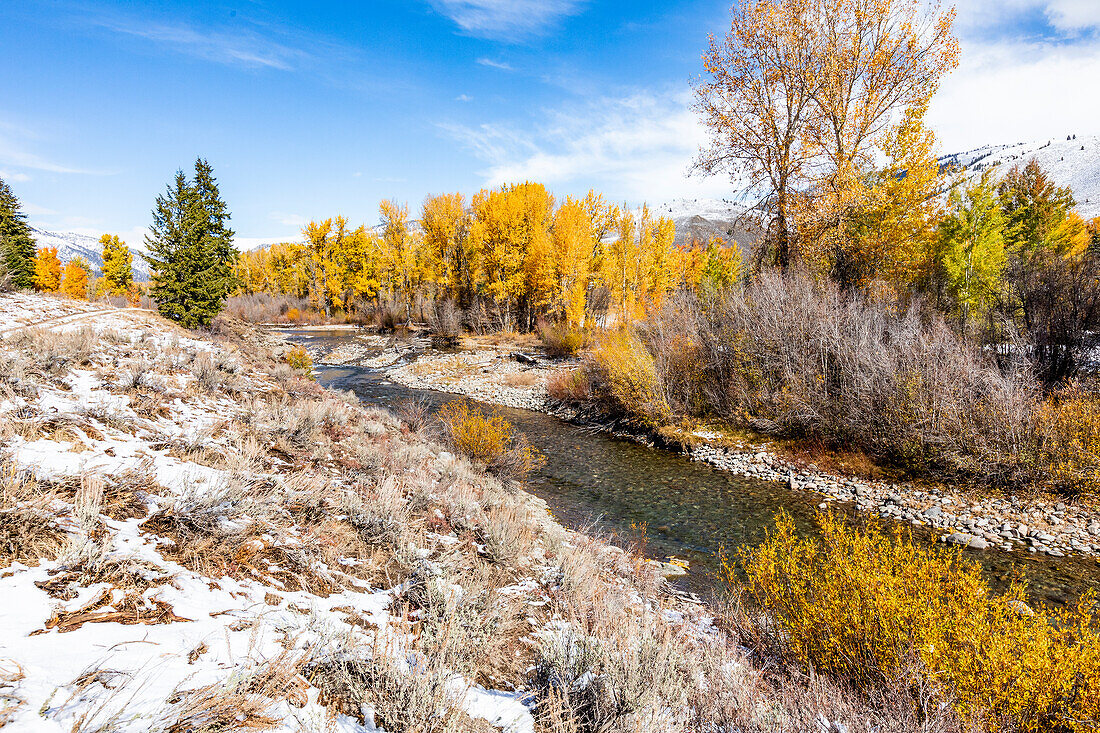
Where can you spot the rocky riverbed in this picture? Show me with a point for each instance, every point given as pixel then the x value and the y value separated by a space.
pixel 517 379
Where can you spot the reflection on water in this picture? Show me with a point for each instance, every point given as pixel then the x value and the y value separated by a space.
pixel 690 509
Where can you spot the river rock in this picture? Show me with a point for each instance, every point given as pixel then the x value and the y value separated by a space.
pixel 933 512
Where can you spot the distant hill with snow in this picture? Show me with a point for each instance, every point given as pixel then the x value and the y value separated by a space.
pixel 71 245
pixel 1074 162
pixel 697 220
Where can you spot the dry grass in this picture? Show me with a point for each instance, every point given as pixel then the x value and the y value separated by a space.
pixel 28 527
pixel 522 379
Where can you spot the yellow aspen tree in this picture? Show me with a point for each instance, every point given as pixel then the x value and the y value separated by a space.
pixel 74 281
pixel 875 59
pixel 499 232
pixel 360 261
pixel 47 270
pixel 318 236
pixel 660 276
pixel 892 235
pixel 118 261
pixel 540 282
pixel 445 224
pixel 401 250
pixel 574 241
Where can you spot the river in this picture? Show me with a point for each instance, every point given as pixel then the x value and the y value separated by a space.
pixel 689 509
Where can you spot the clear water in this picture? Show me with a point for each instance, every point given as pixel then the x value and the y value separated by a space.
pixel 689 509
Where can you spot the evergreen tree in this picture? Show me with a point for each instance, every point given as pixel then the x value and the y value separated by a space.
pixel 191 249
pixel 117 264
pixel 17 249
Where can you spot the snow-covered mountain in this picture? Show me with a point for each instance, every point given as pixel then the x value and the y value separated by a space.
pixel 700 219
pixel 1073 162
pixel 71 245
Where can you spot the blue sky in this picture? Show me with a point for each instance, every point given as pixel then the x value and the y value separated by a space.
pixel 315 109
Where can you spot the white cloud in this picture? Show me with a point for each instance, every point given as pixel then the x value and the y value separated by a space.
pixel 1017 91
pixel 14 176
pixel 1063 15
pixel 464 98
pixel 493 64
pixel 509 20
pixel 289 220
pixel 638 147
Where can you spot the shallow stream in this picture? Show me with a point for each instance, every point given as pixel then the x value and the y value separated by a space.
pixel 689 509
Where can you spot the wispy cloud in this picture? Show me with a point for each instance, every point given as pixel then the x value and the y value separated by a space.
pixel 1064 16
pixel 14 176
pixel 15 152
pixel 494 64
pixel 464 98
pixel 241 47
pixel 506 20
pixel 638 147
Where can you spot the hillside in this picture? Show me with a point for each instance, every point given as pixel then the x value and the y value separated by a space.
pixel 71 245
pixel 1074 163
pixel 194 538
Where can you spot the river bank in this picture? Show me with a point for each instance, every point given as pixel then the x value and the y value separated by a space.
pixel 517 378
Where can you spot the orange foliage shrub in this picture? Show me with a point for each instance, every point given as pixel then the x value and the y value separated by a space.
pixel 1068 425
pixel 75 281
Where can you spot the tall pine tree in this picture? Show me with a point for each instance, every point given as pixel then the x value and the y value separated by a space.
pixel 17 248
pixel 191 249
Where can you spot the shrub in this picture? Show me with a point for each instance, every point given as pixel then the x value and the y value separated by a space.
pixel 868 607
pixel 793 356
pixel 416 412
pixel 446 321
pixel 561 340
pixel 1068 424
pixel 570 386
pixel 488 439
pixel 622 373
pixel 300 361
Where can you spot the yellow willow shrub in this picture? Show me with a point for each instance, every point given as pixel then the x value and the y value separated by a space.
pixel 623 373
pixel 1069 436
pixel 488 439
pixel 562 339
pixel 867 606
pixel 299 360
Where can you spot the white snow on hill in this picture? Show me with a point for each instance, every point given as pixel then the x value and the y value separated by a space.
pixel 1074 162
pixel 71 245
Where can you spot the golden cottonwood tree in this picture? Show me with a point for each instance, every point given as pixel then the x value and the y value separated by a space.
pixel 574 238
pixel 318 236
pixel 445 224
pixel 756 102
pixel 404 267
pixel 802 94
